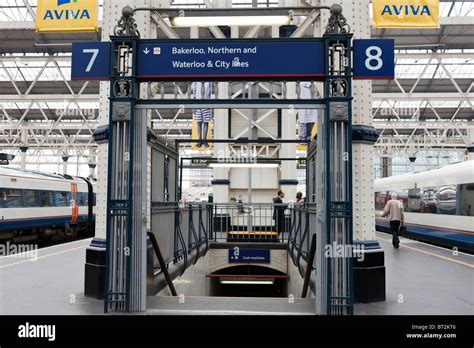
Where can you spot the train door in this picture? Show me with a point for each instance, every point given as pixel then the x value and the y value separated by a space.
pixel 74 205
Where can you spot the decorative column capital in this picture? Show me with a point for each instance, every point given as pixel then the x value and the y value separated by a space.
pixel 127 25
pixel 337 23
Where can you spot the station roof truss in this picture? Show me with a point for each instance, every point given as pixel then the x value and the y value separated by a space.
pixel 429 105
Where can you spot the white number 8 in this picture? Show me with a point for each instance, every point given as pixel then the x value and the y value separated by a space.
pixel 371 57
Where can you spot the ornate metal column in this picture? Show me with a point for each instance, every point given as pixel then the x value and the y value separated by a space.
pixel 333 171
pixel 369 268
pixel 125 281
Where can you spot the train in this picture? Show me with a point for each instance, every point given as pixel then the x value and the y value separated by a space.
pixel 438 204
pixel 45 207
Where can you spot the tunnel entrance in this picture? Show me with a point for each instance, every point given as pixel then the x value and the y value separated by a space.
pixel 248 281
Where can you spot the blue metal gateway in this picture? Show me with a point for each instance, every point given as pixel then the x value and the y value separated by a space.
pixel 131 61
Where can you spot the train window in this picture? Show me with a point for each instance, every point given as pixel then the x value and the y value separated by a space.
pixel 48 199
pixel 414 200
pixel 446 202
pixel 82 199
pixel 381 198
pixel 31 198
pixel 85 199
pixel 466 200
pixel 403 196
pixel 14 199
pixel 79 199
pixel 61 199
pixel 428 200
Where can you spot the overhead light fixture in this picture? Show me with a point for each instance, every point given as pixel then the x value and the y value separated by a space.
pixel 229 21
pixel 247 281
pixel 244 165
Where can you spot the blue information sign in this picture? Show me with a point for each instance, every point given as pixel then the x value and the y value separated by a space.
pixel 230 59
pixel 238 255
pixel 91 61
pixel 374 59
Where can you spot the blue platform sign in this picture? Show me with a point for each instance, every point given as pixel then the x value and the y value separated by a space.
pixel 230 59
pixel 374 59
pixel 91 61
pixel 239 255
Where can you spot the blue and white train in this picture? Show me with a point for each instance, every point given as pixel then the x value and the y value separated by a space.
pixel 43 207
pixel 439 204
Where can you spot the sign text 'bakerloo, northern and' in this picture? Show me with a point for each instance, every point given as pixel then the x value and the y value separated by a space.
pixel 243 59
pixel 225 64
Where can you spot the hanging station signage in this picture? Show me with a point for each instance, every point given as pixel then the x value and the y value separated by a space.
pixel 375 59
pixel 230 59
pixel 406 13
pixel 91 61
pixel 65 16
pixel 206 60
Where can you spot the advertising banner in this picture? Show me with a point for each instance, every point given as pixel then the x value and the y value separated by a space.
pixel 406 13
pixel 66 16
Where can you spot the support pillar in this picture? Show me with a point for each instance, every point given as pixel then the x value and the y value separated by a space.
pixel 369 274
pixel 470 148
pixel 385 167
pixel 24 150
pixel 288 180
pixel 65 160
pixel 92 167
pixel 221 182
pixel 95 254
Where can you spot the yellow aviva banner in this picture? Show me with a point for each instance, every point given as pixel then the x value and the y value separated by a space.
pixel 406 13
pixel 314 132
pixel 65 16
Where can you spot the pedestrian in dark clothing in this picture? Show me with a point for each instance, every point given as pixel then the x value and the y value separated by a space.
pixel 279 212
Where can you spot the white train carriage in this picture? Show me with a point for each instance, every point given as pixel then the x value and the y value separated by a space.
pixel 43 206
pixel 438 203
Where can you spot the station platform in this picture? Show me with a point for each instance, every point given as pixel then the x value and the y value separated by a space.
pixel 420 280
pixel 50 284
pixel 423 279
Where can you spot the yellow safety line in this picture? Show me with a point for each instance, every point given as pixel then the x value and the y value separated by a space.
pixel 41 257
pixel 470 265
pixel 256 233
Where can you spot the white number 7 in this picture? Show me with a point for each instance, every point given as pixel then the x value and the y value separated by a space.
pixel 95 53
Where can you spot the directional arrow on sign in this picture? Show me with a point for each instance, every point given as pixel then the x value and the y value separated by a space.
pixel 146 50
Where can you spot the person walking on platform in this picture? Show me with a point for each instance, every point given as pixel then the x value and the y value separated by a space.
pixel 279 212
pixel 394 212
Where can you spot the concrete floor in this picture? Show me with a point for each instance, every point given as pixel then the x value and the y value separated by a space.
pixel 425 280
pixel 229 306
pixel 421 279
pixel 50 284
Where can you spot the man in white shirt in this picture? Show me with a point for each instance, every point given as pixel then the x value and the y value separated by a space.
pixel 394 212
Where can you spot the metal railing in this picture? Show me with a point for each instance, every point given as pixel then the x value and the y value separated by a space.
pixel 241 222
pixel 183 231
pixel 180 229
pixel 300 234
